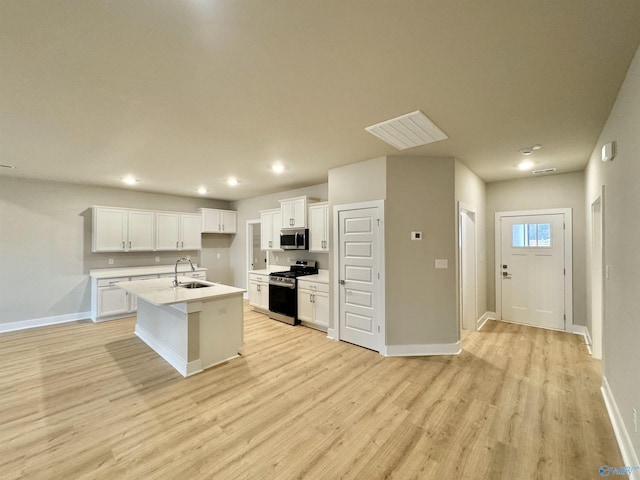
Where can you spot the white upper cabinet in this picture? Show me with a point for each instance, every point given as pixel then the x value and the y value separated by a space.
pixel 218 221
pixel 319 227
pixel 178 231
pixel 190 234
pixel 128 230
pixel 122 230
pixel 294 212
pixel 270 221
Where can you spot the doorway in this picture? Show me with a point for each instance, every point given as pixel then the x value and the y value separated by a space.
pixel 468 275
pixel 359 270
pixel 597 274
pixel 533 268
pixel 256 258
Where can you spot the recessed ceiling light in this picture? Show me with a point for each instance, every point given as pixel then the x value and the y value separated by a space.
pixel 232 182
pixel 202 191
pixel 277 168
pixel 525 165
pixel 7 166
pixel 130 180
pixel 537 146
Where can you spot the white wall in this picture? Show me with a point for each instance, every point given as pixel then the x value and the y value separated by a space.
pixel 45 244
pixel 621 178
pixel 471 191
pixel 534 193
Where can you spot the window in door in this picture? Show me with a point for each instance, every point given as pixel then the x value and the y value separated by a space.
pixel 529 235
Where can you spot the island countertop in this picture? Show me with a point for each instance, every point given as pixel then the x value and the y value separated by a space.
pixel 161 292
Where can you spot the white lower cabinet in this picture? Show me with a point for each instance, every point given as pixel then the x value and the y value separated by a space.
pixel 112 300
pixel 259 291
pixel 109 302
pixel 313 304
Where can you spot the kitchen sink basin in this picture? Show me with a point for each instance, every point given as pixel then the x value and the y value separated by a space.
pixel 194 285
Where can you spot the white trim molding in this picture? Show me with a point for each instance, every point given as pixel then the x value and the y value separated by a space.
pixel 332 334
pixel 629 455
pixel 44 321
pixel 421 350
pixel 482 321
pixel 584 331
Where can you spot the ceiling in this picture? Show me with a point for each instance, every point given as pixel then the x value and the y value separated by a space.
pixel 183 94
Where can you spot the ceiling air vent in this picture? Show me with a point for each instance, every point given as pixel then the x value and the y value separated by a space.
pixel 543 171
pixel 407 131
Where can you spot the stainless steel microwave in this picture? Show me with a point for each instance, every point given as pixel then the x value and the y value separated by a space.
pixel 294 239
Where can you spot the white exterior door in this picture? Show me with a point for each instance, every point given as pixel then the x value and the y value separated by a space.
pixel 359 267
pixel 532 270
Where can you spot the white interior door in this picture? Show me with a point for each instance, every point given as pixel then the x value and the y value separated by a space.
pixel 532 270
pixel 359 258
pixel 468 303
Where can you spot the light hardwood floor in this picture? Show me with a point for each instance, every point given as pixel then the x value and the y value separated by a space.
pixel 85 400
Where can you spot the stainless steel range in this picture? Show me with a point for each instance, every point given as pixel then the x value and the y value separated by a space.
pixel 283 291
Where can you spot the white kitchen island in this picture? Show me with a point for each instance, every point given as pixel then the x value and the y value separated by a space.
pixel 192 329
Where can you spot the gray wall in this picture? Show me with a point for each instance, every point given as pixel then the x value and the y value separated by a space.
pixel 535 193
pixel 45 244
pixel 355 183
pixel 621 325
pixel 471 191
pixel 420 299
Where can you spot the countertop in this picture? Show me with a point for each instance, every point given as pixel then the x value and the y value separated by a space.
pixel 267 271
pixel 160 292
pixel 134 271
pixel 321 277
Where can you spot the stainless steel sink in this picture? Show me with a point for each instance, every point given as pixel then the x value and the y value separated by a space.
pixel 194 285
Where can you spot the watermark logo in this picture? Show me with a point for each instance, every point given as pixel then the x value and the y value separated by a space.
pixel 606 470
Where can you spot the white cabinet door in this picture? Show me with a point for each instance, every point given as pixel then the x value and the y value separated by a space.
pixel 266 230
pixel 112 300
pixel 228 221
pixel 109 229
pixel 270 221
pixel 319 228
pixel 294 213
pixel 190 238
pixel 167 231
pixel 305 305
pixel 140 232
pixel 321 303
pixel 255 295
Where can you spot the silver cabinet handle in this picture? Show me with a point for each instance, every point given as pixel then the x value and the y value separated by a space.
pixel 123 245
pixel 177 244
pixel 129 244
pixel 182 244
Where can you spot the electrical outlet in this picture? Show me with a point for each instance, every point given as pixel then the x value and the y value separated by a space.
pixel 218 255
pixel 111 261
pixel 188 257
pixel 157 259
pixel 635 420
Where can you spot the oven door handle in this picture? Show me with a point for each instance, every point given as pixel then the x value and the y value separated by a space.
pixel 275 283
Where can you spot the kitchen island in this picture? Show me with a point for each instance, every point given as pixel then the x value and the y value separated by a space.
pixel 191 328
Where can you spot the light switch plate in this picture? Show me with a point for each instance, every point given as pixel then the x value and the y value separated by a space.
pixel 442 263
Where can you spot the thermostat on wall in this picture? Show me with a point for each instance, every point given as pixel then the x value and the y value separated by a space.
pixel 416 235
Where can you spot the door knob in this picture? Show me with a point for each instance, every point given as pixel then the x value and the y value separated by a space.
pixel 341 282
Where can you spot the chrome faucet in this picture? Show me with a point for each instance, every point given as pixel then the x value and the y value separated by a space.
pixel 175 270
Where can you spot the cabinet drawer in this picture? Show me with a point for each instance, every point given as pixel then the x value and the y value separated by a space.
pixel 254 277
pixel 106 282
pixel 313 286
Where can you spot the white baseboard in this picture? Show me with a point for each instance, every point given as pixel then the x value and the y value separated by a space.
pixel 483 320
pixel 332 333
pixel 421 350
pixel 41 322
pixel 629 455
pixel 584 331
pixel 180 364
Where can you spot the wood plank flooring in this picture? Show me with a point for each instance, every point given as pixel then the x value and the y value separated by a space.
pixel 92 401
